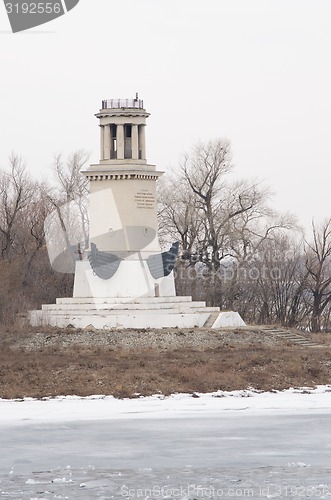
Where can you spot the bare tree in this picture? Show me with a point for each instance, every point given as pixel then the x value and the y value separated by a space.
pixel 221 225
pixel 72 183
pixel 177 214
pixel 69 221
pixel 203 171
pixel 16 190
pixel 280 280
pixel 318 265
pixel 26 277
pixel 34 219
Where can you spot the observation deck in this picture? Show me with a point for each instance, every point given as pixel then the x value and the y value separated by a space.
pixel 122 104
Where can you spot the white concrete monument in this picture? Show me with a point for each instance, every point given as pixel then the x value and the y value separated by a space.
pixel 125 258
pixel 123 279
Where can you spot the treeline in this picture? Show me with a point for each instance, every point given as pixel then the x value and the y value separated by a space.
pixel 27 278
pixel 236 252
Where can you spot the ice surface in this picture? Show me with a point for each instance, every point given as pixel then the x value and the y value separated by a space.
pixel 222 445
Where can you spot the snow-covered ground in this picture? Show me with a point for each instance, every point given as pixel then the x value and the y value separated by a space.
pixel 99 407
pixel 221 445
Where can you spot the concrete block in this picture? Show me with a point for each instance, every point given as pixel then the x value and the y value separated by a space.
pixel 228 319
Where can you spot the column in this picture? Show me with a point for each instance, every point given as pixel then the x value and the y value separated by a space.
pixel 102 143
pixel 112 155
pixel 142 144
pixel 106 149
pixel 120 142
pixel 134 142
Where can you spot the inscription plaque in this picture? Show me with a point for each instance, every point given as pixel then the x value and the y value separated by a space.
pixel 145 199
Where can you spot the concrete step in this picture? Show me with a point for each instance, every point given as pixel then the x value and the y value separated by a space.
pixel 212 318
pixel 122 300
pixel 145 306
pixel 293 337
pixel 178 309
pixel 129 320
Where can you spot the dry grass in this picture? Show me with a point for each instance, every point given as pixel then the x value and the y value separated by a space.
pixel 124 372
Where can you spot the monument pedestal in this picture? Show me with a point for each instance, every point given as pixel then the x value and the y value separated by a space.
pixel 119 313
pixel 132 279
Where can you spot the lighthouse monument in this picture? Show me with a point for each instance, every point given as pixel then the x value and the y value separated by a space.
pixel 123 279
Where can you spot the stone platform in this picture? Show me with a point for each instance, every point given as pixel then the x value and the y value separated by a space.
pixel 147 312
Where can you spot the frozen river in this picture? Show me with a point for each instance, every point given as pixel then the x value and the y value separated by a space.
pixel 201 450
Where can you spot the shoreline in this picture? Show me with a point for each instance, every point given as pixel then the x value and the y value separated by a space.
pixel 100 407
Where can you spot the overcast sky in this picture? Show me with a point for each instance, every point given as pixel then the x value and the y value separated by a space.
pixel 254 71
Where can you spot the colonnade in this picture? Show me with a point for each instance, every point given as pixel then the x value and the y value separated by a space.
pixel 122 141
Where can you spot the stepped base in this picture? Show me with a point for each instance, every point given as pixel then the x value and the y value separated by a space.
pixel 147 312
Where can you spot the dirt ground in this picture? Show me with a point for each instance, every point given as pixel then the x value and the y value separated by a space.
pixel 129 363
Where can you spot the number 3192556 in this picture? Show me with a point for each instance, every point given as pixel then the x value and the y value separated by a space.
pixel 34 8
